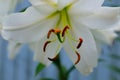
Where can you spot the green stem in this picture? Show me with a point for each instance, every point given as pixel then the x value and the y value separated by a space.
pixel 62 75
pixel 60 38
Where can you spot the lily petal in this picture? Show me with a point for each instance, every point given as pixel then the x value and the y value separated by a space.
pixel 90 3
pixel 28 23
pixel 40 55
pixel 103 18
pixel 36 2
pixel 64 3
pixel 39 2
pixel 13 49
pixel 85 6
pixel 104 36
pixel 87 51
pixel 7 6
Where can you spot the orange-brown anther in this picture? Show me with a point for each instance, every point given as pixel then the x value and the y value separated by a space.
pixel 64 30
pixel 57 31
pixel 45 45
pixel 49 33
pixel 53 59
pixel 80 43
pixel 78 59
pixel 53 31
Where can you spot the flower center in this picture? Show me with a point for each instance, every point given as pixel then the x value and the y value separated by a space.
pixel 62 32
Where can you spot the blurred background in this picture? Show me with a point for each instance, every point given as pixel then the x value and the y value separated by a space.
pixel 23 67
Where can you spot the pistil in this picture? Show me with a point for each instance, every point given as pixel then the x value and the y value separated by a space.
pixel 45 45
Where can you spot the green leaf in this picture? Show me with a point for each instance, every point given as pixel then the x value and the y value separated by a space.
pixel 114 68
pixel 23 10
pixel 39 68
pixel 70 70
pixel 101 60
pixel 46 79
pixel 115 56
pixel 117 39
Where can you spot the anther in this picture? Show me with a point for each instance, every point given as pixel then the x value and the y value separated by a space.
pixel 78 59
pixel 49 33
pixel 80 43
pixel 64 30
pixel 53 59
pixel 45 45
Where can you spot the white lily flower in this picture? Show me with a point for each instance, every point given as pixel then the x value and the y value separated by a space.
pixel 7 7
pixel 70 21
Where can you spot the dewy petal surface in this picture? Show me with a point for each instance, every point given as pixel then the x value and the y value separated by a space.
pixel 87 51
pixel 52 50
pixel 29 25
pixel 104 17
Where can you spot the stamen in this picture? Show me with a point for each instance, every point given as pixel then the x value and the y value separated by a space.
pixel 49 33
pixel 45 45
pixel 53 59
pixel 79 57
pixel 54 31
pixel 80 43
pixel 64 30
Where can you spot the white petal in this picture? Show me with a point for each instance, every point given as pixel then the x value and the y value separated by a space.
pixel 64 3
pixel 39 2
pixel 99 46
pixel 7 6
pixel 13 49
pixel 87 51
pixel 27 26
pixel 105 17
pixel 0 28
pixel 104 36
pixel 36 47
pixel 85 6
pixel 52 50
pixel 36 2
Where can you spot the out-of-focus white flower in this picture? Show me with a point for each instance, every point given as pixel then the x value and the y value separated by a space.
pixel 50 24
pixel 103 37
pixel 8 7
